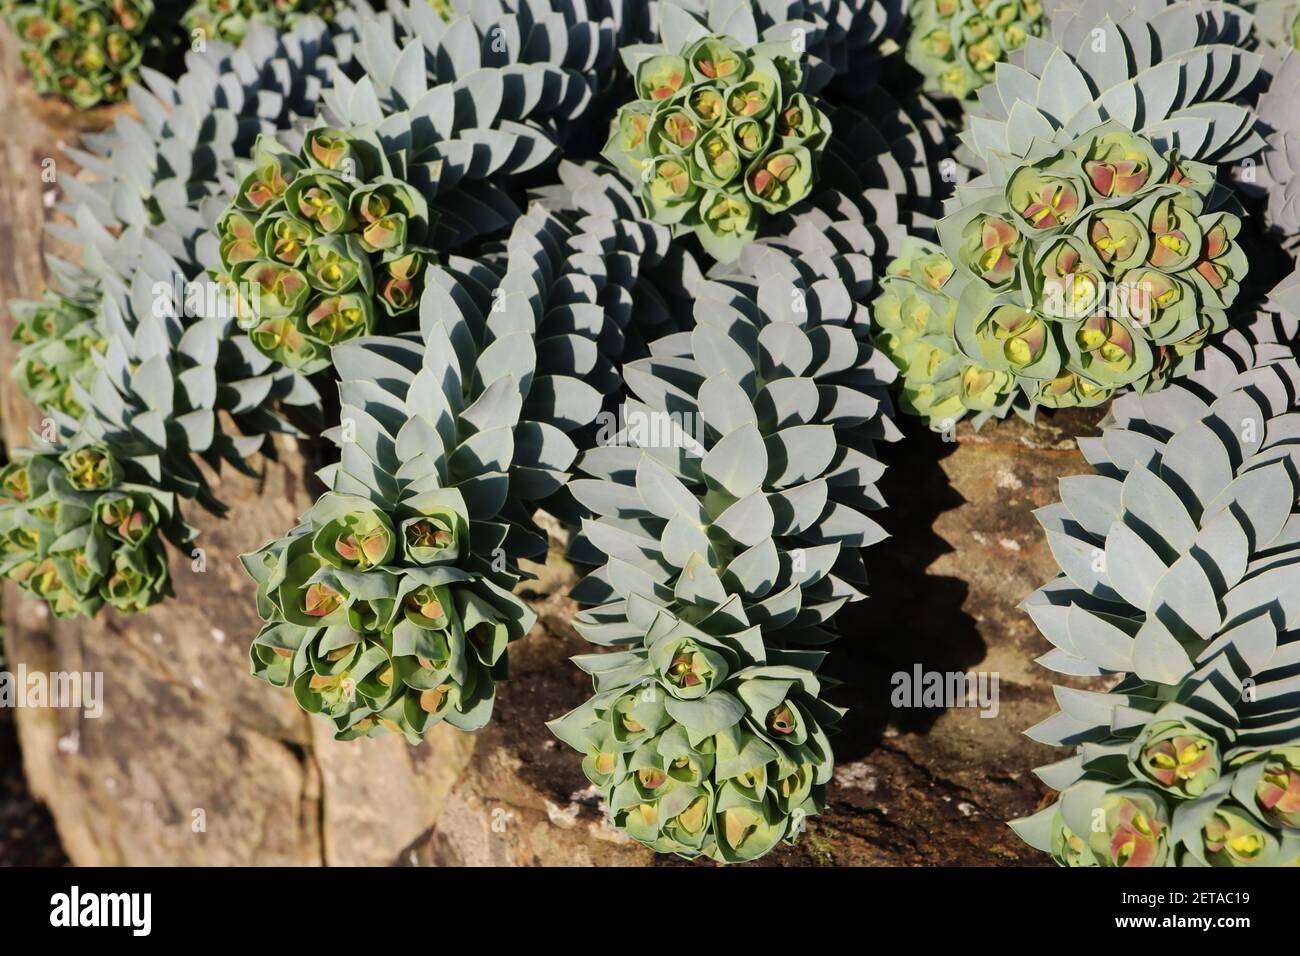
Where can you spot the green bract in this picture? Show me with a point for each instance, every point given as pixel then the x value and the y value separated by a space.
pixel 59 339
pixel 79 529
pixel 729 503
pixel 1095 825
pixel 323 246
pixel 847 39
pixel 721 135
pixel 229 20
pixel 332 240
pixel 1179 578
pixel 390 606
pixel 382 616
pixel 915 317
pixel 956 44
pixel 702 740
pixel 154 172
pixel 88 51
pixel 1097 267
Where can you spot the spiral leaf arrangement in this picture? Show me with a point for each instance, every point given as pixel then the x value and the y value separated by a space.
pixel 1178 572
pixel 653 267
pixel 728 514
pixel 390 606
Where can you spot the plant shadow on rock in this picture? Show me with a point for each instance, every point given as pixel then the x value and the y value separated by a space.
pixel 910 616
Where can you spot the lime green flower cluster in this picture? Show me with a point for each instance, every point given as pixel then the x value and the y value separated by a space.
pixel 59 339
pixel 1100 266
pixel 75 533
pixel 1251 819
pixel 702 749
pixel 229 20
pixel 719 136
pixel 86 51
pixel 956 44
pixel 915 317
pixel 322 246
pixel 378 622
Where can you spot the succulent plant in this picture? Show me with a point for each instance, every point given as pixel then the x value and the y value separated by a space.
pixel 916 319
pixel 158 165
pixel 1178 573
pixel 955 44
pixel 1174 71
pixel 229 20
pixel 1102 266
pixel 390 607
pixel 81 527
pixel 1096 825
pixel 728 510
pixel 167 397
pixel 1088 256
pixel 141 225
pixel 159 173
pixel 171 381
pixel 849 39
pixel 89 51
pixel 332 240
pixel 58 339
pixel 723 132
pixel 130 351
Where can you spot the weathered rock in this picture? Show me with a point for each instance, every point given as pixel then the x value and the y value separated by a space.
pixel 936 786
